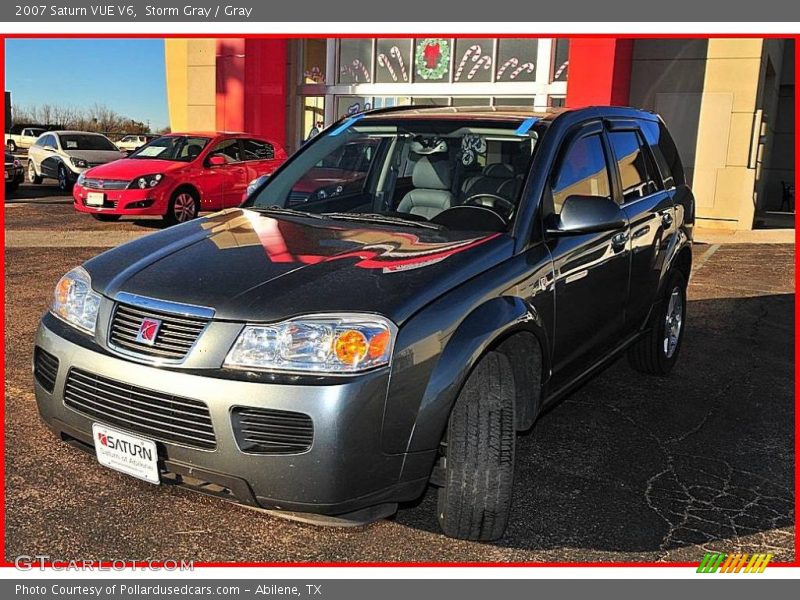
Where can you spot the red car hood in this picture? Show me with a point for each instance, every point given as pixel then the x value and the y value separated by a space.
pixel 128 168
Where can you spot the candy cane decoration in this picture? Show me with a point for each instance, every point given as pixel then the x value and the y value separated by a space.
pixel 511 62
pixel 561 69
pixel 473 52
pixel 395 52
pixel 526 67
pixel 485 62
pixel 383 61
pixel 357 64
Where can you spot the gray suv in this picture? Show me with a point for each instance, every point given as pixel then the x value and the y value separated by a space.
pixel 339 343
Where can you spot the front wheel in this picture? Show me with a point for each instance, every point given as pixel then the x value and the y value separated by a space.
pixel 64 183
pixel 475 499
pixel 657 351
pixel 11 146
pixel 183 207
pixel 32 176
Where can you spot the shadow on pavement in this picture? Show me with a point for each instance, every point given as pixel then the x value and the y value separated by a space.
pixel 634 463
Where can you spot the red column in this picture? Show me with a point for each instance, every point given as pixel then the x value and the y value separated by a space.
pixel 599 71
pixel 251 86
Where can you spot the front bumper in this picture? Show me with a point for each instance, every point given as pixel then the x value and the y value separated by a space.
pixel 344 472
pixel 122 202
pixel 14 175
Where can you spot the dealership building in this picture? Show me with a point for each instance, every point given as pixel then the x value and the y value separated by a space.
pixel 728 102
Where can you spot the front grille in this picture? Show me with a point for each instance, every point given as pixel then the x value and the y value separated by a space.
pixel 155 414
pixel 268 431
pixel 45 369
pixel 176 335
pixel 105 184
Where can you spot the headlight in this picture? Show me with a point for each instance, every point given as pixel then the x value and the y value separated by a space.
pixel 146 181
pixel 82 178
pixel 75 302
pixel 79 162
pixel 316 344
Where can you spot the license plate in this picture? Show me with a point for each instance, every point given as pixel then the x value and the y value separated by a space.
pixel 95 198
pixel 126 453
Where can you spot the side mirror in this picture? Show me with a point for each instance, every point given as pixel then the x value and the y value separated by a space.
pixel 215 160
pixel 587 214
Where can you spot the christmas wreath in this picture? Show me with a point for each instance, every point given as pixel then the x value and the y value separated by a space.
pixel 432 58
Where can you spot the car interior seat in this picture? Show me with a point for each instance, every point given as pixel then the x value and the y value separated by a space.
pixel 431 194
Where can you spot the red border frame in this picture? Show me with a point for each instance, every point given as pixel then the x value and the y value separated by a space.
pixel 108 564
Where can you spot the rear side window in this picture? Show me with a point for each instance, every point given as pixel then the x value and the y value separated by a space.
pixel 582 171
pixel 664 152
pixel 636 170
pixel 258 150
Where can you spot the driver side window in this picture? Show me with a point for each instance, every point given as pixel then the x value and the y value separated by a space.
pixel 582 171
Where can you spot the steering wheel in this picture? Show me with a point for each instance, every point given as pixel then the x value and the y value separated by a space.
pixel 498 203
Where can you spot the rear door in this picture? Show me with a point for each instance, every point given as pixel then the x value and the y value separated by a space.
pixel 591 269
pixel 223 184
pixel 48 158
pixel 649 209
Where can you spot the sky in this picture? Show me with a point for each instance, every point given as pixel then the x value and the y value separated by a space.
pixel 128 76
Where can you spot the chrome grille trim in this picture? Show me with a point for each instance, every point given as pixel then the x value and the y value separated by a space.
pixel 105 184
pixel 159 415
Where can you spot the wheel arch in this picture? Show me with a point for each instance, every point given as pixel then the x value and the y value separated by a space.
pixel 505 324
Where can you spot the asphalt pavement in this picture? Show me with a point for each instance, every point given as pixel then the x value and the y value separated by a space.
pixel 628 468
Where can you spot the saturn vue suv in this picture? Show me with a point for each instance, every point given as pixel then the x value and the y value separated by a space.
pixel 330 353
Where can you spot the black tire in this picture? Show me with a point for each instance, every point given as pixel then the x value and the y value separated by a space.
pixel 11 146
pixel 653 354
pixel 106 218
pixel 32 176
pixel 177 209
pixel 64 183
pixel 12 187
pixel 475 500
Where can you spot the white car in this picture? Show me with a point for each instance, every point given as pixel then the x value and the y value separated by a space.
pixel 133 142
pixel 63 155
pixel 24 139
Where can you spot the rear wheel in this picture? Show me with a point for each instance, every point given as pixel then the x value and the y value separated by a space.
pixel 32 176
pixel 475 499
pixel 183 207
pixel 106 218
pixel 657 351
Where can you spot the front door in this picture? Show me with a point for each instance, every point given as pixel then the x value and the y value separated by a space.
pixel 591 269
pixel 223 185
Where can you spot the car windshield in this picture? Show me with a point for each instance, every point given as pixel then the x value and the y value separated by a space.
pixel 85 141
pixel 406 169
pixel 182 148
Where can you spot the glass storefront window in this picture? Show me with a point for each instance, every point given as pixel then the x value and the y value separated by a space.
pixel 440 101
pixel 526 101
pixel 393 62
pixel 355 61
pixel 315 54
pixel 471 101
pixel 516 59
pixel 312 117
pixel 557 101
pixel 349 105
pixel 432 59
pixel 560 60
pixel 473 60
pixel 388 101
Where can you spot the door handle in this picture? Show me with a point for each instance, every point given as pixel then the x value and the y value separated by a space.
pixel 619 241
pixel 666 219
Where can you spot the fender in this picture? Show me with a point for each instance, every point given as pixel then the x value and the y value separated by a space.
pixel 487 324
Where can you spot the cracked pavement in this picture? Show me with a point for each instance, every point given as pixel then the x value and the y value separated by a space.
pixel 628 468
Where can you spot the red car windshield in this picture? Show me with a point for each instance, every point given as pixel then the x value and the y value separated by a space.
pixel 183 148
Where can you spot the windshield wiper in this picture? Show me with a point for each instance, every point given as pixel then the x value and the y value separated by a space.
pixel 381 219
pixel 279 210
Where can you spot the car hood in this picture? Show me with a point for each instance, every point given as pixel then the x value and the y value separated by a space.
pixel 128 168
pixel 95 156
pixel 252 267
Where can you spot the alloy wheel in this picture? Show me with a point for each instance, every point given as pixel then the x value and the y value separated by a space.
pixel 673 322
pixel 184 208
pixel 31 172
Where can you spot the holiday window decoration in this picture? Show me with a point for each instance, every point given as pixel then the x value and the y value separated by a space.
pixel 432 58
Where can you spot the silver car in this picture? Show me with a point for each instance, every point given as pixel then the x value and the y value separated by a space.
pixel 63 155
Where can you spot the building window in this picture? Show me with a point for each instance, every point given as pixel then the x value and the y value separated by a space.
pixel 432 58
pixel 526 101
pixel 472 101
pixel 556 101
pixel 350 105
pixel 516 60
pixel 355 61
pixel 430 101
pixel 315 54
pixel 312 116
pixel 473 61
pixel 560 60
pixel 393 62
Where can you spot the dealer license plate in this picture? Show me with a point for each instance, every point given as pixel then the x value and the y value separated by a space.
pixel 126 453
pixel 95 198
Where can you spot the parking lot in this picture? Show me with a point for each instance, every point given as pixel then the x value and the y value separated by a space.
pixel 629 468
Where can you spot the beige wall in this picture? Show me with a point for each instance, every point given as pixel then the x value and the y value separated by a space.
pixel 191 83
pixel 710 93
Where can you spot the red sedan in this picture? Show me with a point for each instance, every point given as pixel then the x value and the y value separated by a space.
pixel 177 176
